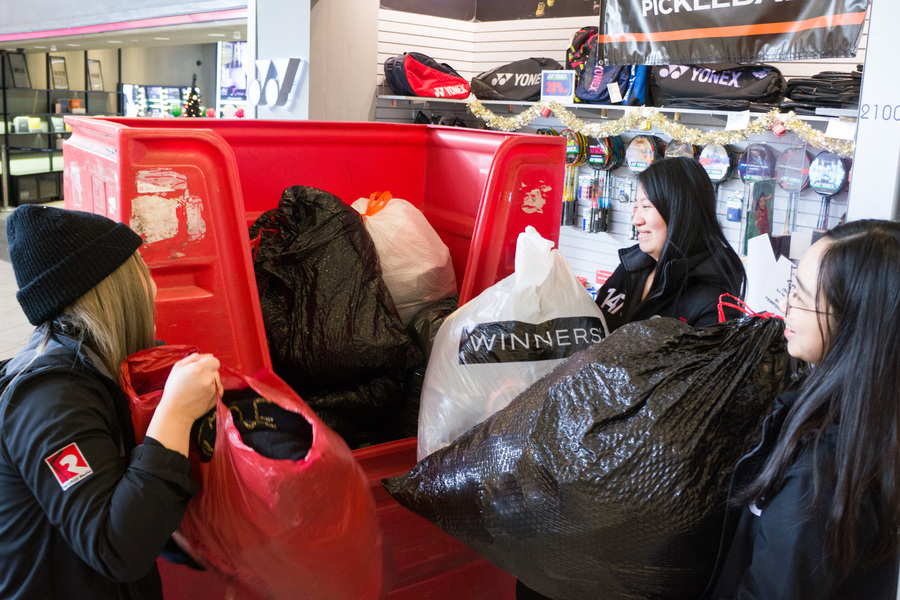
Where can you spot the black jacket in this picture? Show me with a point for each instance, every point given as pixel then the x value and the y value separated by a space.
pixel 690 290
pixel 776 550
pixel 78 519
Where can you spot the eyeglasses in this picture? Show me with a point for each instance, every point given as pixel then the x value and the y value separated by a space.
pixel 791 297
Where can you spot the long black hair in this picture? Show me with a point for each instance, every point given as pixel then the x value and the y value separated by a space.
pixel 857 387
pixel 683 194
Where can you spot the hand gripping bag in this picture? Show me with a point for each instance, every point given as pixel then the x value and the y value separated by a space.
pixel 608 477
pixel 284 510
pixel 499 343
pixel 415 263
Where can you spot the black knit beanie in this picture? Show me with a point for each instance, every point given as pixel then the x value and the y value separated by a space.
pixel 58 255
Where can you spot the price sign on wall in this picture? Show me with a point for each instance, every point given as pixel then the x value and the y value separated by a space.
pixel 558 86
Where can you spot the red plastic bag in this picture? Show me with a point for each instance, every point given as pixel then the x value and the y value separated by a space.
pixel 279 528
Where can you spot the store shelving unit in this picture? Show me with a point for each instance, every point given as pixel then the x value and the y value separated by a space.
pixel 589 252
pixel 404 108
pixel 33 131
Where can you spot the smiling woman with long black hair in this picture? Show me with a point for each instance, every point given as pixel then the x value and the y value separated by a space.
pixel 682 262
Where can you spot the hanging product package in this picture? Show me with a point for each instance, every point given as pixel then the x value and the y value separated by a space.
pixel 284 510
pixel 333 330
pixel 505 339
pixel 415 262
pixel 608 477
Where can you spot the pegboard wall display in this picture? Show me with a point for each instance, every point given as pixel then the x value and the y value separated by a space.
pixel 774 197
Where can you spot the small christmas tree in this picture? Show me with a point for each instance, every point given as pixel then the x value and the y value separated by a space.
pixel 192 104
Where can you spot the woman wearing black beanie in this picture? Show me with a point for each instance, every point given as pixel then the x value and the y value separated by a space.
pixel 84 512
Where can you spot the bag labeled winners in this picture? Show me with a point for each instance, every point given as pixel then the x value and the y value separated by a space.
pixel 505 339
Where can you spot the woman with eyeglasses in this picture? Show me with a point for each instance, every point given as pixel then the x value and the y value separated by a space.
pixel 816 506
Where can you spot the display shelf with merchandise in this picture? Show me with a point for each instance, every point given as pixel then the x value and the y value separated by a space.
pixel 589 252
pixel 404 108
pixel 33 131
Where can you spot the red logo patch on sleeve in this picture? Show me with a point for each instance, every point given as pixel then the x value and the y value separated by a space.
pixel 68 466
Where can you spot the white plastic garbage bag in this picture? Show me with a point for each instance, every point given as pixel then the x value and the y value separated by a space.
pixel 495 346
pixel 415 262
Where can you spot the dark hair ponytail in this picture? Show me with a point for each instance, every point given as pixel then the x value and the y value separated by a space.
pixel 857 387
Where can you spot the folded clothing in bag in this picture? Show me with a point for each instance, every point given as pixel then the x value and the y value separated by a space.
pixel 416 74
pixel 519 80
pixel 608 477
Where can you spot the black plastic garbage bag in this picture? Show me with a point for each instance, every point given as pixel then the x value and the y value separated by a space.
pixel 608 477
pixel 422 328
pixel 424 325
pixel 333 331
pixel 362 411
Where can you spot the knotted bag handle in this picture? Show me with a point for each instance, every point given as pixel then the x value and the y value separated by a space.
pixel 741 306
pixel 377 201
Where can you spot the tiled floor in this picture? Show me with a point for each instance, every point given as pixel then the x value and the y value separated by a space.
pixel 14 327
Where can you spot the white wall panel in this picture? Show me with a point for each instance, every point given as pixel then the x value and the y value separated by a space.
pixel 344 58
pixel 445 40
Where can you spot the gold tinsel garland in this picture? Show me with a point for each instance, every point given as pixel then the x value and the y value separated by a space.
pixel 644 118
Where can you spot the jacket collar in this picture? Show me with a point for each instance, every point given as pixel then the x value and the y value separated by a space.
pixel 58 344
pixel 698 267
pixel 635 259
pixel 786 400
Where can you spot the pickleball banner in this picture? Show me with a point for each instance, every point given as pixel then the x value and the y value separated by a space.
pixel 660 32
